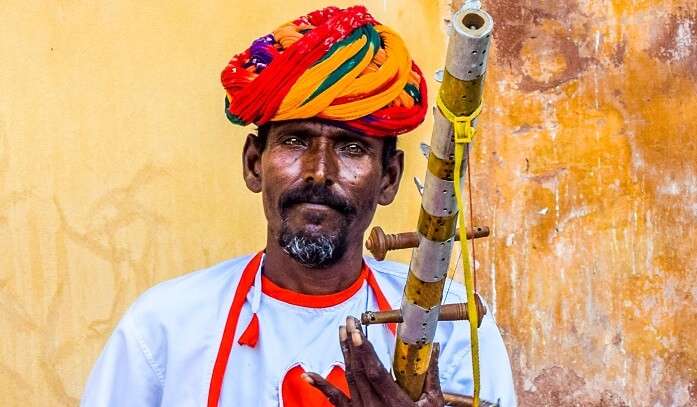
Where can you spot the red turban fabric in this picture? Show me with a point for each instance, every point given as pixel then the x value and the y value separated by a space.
pixel 333 64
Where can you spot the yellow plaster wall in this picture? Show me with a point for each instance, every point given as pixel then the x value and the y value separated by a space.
pixel 118 169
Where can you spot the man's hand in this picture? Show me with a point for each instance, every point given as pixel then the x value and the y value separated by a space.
pixel 370 384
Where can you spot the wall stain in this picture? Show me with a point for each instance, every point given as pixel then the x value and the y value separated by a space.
pixel 555 386
pixel 114 212
pixel 676 43
pixel 617 57
pixel 550 59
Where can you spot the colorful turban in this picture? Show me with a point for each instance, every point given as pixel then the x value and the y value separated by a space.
pixel 333 64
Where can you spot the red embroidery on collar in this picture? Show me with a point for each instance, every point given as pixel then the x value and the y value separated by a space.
pixel 269 288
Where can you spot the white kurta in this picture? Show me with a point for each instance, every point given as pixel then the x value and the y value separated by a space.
pixel 163 350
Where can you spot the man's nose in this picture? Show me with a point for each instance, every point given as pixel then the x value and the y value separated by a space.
pixel 320 164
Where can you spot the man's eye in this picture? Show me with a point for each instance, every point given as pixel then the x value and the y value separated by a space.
pixel 292 141
pixel 354 148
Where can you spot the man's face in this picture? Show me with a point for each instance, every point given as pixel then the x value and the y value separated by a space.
pixel 320 186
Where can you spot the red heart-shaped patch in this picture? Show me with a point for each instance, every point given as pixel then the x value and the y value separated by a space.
pixel 296 392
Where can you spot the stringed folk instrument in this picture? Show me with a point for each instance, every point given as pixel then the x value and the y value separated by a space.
pixel 459 102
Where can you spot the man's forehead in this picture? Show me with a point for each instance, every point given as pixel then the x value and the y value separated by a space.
pixel 312 128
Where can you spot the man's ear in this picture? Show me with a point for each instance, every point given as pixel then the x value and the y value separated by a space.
pixel 251 164
pixel 391 176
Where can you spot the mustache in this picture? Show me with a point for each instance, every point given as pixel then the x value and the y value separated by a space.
pixel 315 194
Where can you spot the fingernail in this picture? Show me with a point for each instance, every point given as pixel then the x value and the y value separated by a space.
pixel 350 324
pixel 307 378
pixel 357 322
pixel 356 337
pixel 343 335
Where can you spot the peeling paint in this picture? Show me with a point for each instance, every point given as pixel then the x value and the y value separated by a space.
pixel 592 111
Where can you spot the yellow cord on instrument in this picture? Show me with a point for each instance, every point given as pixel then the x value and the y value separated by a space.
pixel 462 126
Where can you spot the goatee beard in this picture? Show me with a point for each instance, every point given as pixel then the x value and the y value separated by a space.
pixel 313 250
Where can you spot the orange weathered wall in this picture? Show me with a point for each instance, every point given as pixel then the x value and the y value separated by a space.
pixel 119 170
pixel 586 171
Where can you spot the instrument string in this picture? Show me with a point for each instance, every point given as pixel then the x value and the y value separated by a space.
pixel 451 273
pixel 451 276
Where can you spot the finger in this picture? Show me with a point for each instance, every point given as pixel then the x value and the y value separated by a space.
pixel 364 389
pixel 377 376
pixel 349 364
pixel 335 396
pixel 432 382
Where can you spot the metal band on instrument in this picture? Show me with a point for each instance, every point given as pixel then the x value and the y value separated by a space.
pixel 424 294
pixel 469 44
pixel 440 228
pixel 419 323
pixel 439 196
pixel 431 259
pixel 440 167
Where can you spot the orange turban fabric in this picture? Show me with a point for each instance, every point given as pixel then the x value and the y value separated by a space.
pixel 333 64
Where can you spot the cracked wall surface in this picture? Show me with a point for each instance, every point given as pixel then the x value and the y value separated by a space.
pixel 118 170
pixel 586 171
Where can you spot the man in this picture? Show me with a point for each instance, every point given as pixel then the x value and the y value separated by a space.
pixel 329 92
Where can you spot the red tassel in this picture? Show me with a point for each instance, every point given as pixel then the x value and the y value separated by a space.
pixel 250 336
